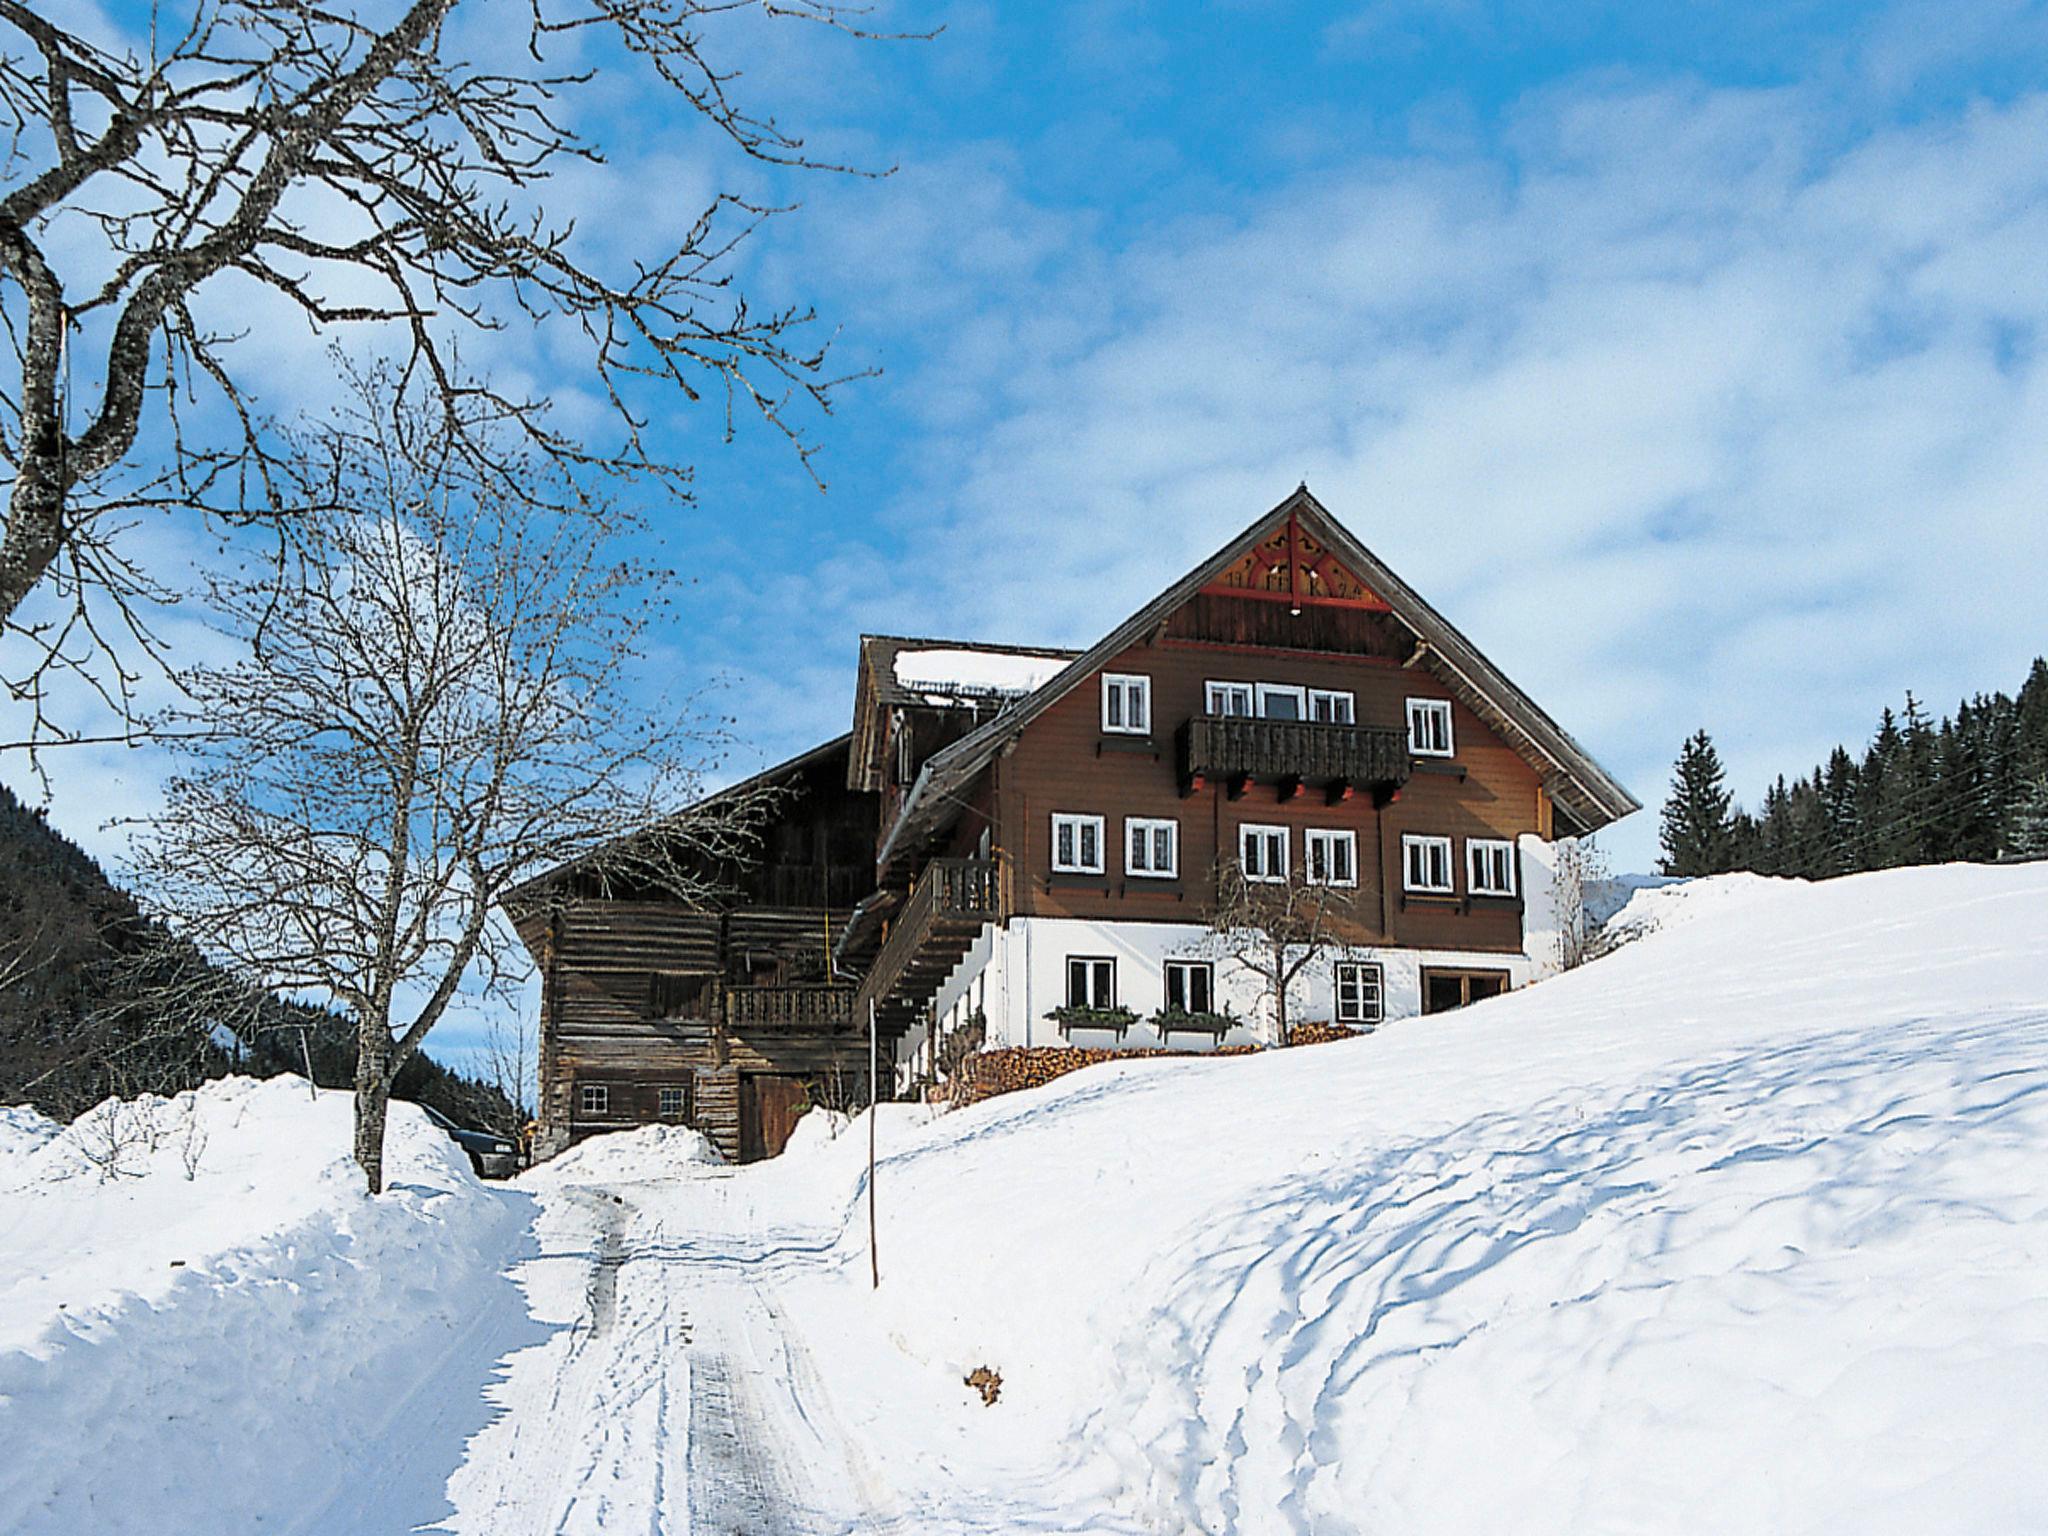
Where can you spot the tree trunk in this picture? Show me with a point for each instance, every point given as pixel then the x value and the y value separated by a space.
pixel 373 1099
pixel 1280 992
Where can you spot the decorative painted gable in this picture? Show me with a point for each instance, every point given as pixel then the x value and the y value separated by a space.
pixel 1292 566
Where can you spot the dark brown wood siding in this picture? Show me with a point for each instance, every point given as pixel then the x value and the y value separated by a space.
pixel 1064 762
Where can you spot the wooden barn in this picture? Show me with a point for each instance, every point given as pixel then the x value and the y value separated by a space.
pixel 723 1014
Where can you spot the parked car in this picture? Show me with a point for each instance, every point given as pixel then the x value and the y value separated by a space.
pixel 493 1157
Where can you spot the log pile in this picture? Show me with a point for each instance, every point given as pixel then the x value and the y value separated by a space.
pixel 986 1074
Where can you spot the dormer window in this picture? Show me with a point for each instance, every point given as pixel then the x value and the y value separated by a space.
pixel 1126 704
pixel 1429 727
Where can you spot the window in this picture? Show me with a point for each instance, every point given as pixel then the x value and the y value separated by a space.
pixel 679 994
pixel 1229 698
pixel 1282 701
pixel 1429 727
pixel 1190 986
pixel 1426 863
pixel 1151 848
pixel 1360 992
pixel 1076 844
pixel 1489 867
pixel 675 1103
pixel 595 1099
pixel 1332 857
pixel 1126 704
pixel 1262 852
pixel 1091 982
pixel 1331 707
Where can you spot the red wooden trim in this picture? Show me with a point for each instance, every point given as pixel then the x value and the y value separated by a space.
pixel 1237 785
pixel 1290 788
pixel 1339 791
pixel 1281 650
pixel 1260 595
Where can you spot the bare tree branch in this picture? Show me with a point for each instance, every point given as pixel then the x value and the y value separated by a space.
pixel 434 709
pixel 350 160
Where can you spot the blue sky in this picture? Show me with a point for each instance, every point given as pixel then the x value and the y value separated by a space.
pixel 1688 358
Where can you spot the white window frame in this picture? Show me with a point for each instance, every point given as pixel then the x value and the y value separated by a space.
pixel 1245 833
pixel 1293 691
pixel 1413 843
pixel 1092 961
pixel 593 1098
pixel 1149 868
pixel 682 1109
pixel 1369 992
pixel 1435 710
pixel 1081 822
pixel 1207 968
pixel 1479 852
pixel 1217 694
pixel 1334 696
pixel 1127 688
pixel 1328 838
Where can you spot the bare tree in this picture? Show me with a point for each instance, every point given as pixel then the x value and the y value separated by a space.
pixel 1580 863
pixel 1277 927
pixel 437 705
pixel 349 160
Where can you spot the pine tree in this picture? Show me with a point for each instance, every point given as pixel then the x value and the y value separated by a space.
pixel 2027 833
pixel 1698 828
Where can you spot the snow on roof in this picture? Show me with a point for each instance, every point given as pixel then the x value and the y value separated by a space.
pixel 943 673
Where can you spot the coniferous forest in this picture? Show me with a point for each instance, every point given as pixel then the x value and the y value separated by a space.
pixel 1972 787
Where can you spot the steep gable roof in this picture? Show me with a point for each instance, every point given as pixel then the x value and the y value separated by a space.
pixel 1587 795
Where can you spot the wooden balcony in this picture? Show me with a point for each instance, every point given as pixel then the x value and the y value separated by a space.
pixel 1239 750
pixel 813 1006
pixel 945 911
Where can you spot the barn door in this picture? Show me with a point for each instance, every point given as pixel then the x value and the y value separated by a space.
pixel 769 1108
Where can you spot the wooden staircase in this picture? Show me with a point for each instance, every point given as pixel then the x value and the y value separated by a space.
pixel 938 923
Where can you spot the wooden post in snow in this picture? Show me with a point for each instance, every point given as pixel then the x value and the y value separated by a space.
pixel 874 1109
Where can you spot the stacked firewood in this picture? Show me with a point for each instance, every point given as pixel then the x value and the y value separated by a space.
pixel 985 1074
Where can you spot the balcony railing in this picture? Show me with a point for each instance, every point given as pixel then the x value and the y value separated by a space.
pixel 1310 752
pixel 951 898
pixel 799 1007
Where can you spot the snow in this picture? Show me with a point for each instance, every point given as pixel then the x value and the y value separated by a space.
pixel 943 672
pixel 648 1152
pixel 1742 1227
pixel 22 1130
pixel 227 1350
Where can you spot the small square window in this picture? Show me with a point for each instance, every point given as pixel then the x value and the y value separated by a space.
pixel 1225 699
pixel 1328 706
pixel 1091 982
pixel 1426 864
pixel 1429 727
pixel 1489 866
pixel 1076 844
pixel 594 1098
pixel 1332 857
pixel 1151 848
pixel 1126 704
pixel 1361 990
pixel 1262 852
pixel 1190 986
pixel 674 1103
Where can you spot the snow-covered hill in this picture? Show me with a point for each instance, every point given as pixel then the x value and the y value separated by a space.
pixel 1741 1228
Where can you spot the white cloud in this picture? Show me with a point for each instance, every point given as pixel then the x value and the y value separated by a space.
pixel 1686 413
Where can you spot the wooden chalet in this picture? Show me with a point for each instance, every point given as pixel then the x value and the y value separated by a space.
pixel 1020 845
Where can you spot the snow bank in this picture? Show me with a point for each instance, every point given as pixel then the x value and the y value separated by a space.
pixel 619 1157
pixel 205 1324
pixel 1742 1228
pixel 944 671
pixel 22 1130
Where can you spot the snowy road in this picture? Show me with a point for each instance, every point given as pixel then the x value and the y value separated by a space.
pixel 679 1396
